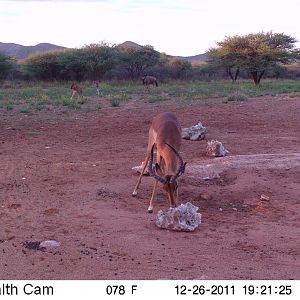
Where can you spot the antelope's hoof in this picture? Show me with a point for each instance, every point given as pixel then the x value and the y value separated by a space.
pixel 150 211
pixel 134 194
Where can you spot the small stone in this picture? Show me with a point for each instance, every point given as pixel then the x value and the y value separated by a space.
pixel 49 243
pixel 205 196
pixel 264 197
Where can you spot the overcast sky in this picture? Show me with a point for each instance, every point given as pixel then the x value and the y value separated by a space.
pixel 176 27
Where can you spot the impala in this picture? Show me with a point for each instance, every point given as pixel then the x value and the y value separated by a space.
pixel 76 90
pixel 165 136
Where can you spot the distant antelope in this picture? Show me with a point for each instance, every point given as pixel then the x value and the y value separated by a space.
pixel 149 80
pixel 76 90
pixel 165 136
pixel 97 85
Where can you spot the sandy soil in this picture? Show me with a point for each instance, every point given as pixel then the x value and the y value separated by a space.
pixel 68 177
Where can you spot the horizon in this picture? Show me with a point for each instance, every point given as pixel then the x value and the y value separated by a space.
pixel 171 27
pixel 12 43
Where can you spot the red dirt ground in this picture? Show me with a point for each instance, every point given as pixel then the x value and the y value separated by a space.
pixel 68 177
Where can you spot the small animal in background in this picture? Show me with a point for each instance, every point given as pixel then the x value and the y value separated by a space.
pixel 97 84
pixel 149 80
pixel 76 91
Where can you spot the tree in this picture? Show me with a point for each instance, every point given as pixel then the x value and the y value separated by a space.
pixel 71 65
pixel 180 68
pixel 278 71
pixel 90 62
pixel 99 59
pixel 136 60
pixel 255 53
pixel 7 64
pixel 225 58
pixel 43 66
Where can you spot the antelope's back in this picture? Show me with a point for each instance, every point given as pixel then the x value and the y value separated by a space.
pixel 167 129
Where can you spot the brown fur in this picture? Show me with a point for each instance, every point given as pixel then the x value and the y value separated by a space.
pixel 76 91
pixel 165 135
pixel 149 80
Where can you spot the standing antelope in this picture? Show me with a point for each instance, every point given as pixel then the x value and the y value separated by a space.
pixel 165 135
pixel 76 90
pixel 97 85
pixel 149 80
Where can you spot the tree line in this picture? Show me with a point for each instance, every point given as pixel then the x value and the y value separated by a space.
pixel 250 56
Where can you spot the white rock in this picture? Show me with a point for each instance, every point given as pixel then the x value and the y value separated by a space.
pixel 140 168
pixel 194 133
pixel 50 243
pixel 181 218
pixel 264 197
pixel 215 149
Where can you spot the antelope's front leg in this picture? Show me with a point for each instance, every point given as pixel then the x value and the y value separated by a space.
pixel 150 208
pixel 134 193
pixel 171 195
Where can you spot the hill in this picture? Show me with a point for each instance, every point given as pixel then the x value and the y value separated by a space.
pixel 20 52
pixel 191 59
pixel 130 44
pixel 195 58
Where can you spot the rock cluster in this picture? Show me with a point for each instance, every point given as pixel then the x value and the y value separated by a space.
pixel 181 218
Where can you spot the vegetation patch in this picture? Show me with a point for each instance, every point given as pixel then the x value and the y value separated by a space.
pixel 46 96
pixel 156 98
pixel 236 97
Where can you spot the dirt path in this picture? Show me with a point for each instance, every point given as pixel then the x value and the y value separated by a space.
pixel 69 178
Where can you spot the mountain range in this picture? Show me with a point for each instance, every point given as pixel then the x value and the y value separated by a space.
pixel 22 52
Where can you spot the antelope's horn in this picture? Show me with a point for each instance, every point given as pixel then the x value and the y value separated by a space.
pixel 182 165
pixel 152 170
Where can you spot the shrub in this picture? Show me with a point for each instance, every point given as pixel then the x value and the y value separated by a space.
pixel 236 97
